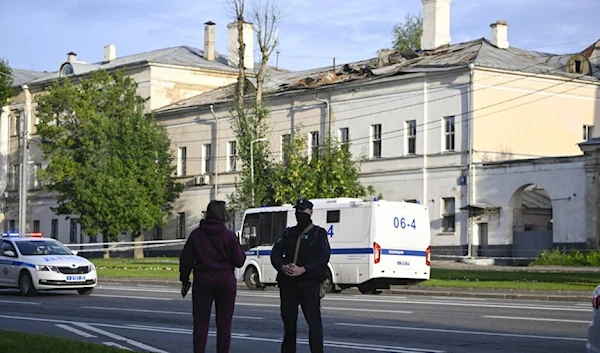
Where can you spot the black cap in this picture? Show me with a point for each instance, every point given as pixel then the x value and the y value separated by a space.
pixel 303 204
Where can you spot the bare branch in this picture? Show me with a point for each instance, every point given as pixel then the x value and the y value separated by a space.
pixel 266 15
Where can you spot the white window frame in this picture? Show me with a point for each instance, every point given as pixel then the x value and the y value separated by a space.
pixel 448 216
pixel 232 156
pixel 344 135
pixel 36 181
pixel 376 140
pixel 285 138
pixel 449 133
pixel 182 161
pixel 207 158
pixel 313 144
pixel 411 135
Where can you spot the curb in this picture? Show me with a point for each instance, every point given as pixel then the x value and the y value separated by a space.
pixel 433 292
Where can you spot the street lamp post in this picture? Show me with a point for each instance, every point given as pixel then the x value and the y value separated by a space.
pixel 252 164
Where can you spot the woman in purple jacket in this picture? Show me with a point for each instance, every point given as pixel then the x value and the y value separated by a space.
pixel 212 251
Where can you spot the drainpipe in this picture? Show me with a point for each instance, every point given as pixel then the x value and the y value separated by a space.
pixel 327 113
pixel 425 113
pixel 216 152
pixel 471 177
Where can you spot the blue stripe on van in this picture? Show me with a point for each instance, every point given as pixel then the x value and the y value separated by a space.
pixel 352 251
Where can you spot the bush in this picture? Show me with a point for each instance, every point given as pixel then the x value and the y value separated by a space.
pixel 557 257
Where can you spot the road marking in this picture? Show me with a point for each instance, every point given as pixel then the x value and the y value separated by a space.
pixel 128 297
pixel 497 334
pixel 332 308
pixel 164 312
pixel 75 331
pixel 17 302
pixel 120 338
pixel 116 345
pixel 536 319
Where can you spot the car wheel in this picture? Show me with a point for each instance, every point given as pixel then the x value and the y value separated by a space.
pixel 251 278
pixel 26 285
pixel 85 291
pixel 368 289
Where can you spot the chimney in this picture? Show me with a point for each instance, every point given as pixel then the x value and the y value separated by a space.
pixel 436 24
pixel 110 53
pixel 232 45
pixel 500 34
pixel 71 57
pixel 209 41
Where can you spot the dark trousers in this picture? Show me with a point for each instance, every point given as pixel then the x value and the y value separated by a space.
pixel 220 287
pixel 310 302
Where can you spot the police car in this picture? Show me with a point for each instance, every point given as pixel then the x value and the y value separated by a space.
pixel 593 343
pixel 33 263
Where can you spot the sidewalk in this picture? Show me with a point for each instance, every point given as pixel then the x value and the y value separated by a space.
pixel 568 296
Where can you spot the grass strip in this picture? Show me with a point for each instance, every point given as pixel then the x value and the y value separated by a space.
pixel 18 342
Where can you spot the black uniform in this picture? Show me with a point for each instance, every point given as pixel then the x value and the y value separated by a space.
pixel 302 290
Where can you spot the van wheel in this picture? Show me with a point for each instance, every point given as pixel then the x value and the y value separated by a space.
pixel 26 285
pixel 251 278
pixel 368 289
pixel 329 285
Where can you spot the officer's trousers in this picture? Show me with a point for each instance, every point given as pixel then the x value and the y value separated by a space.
pixel 220 287
pixel 309 300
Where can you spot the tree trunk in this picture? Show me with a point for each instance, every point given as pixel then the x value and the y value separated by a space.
pixel 106 251
pixel 138 251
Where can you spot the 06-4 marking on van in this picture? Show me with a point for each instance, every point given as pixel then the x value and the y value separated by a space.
pixel 403 223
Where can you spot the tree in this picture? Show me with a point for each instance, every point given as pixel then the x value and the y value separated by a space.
pixel 6 82
pixel 109 164
pixel 329 172
pixel 407 34
pixel 252 124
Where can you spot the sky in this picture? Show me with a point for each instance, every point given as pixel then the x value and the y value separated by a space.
pixel 311 34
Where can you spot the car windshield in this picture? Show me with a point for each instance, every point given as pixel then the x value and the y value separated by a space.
pixel 42 247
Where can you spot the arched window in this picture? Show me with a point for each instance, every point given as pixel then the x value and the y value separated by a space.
pixel 66 70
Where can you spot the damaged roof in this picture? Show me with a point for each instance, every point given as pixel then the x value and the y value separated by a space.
pixel 480 52
pixel 180 56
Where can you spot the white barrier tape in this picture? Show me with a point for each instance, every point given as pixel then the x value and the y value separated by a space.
pixel 130 242
pixel 126 248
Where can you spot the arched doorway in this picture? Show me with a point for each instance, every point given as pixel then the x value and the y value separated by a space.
pixel 532 218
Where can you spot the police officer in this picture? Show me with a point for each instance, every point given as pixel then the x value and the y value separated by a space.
pixel 299 280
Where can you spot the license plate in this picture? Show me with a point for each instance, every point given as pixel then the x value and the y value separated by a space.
pixel 75 278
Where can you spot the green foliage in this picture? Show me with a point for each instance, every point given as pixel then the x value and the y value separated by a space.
pixel 19 342
pixel 108 162
pixel 6 82
pixel 557 257
pixel 329 172
pixel 407 34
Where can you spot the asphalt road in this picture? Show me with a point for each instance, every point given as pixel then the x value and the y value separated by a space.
pixel 157 319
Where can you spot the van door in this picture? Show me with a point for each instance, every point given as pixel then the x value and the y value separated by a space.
pixel 271 226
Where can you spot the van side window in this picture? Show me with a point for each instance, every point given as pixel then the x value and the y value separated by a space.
pixel 333 216
pixel 272 225
pixel 250 231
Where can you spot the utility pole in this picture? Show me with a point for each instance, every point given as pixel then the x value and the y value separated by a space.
pixel 23 187
pixel 216 164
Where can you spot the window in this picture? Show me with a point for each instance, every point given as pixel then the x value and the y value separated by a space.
pixel 206 154
pixel 157 233
pixel 588 132
pixel 12 225
pixel 344 135
pixel 448 215
pixel 449 132
pixel 285 141
pixel 232 151
pixel 36 180
pixel 73 231
pixel 249 231
pixel 314 144
pixel 333 216
pixel 182 161
pixel 36 226
pixel 411 136
pixel 16 176
pixel 181 225
pixel 578 66
pixel 66 70
pixel 376 141
pixel 54 229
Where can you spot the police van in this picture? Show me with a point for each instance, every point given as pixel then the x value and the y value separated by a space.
pixel 33 263
pixel 374 244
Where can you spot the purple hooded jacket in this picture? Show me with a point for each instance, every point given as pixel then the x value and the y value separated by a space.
pixel 210 247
